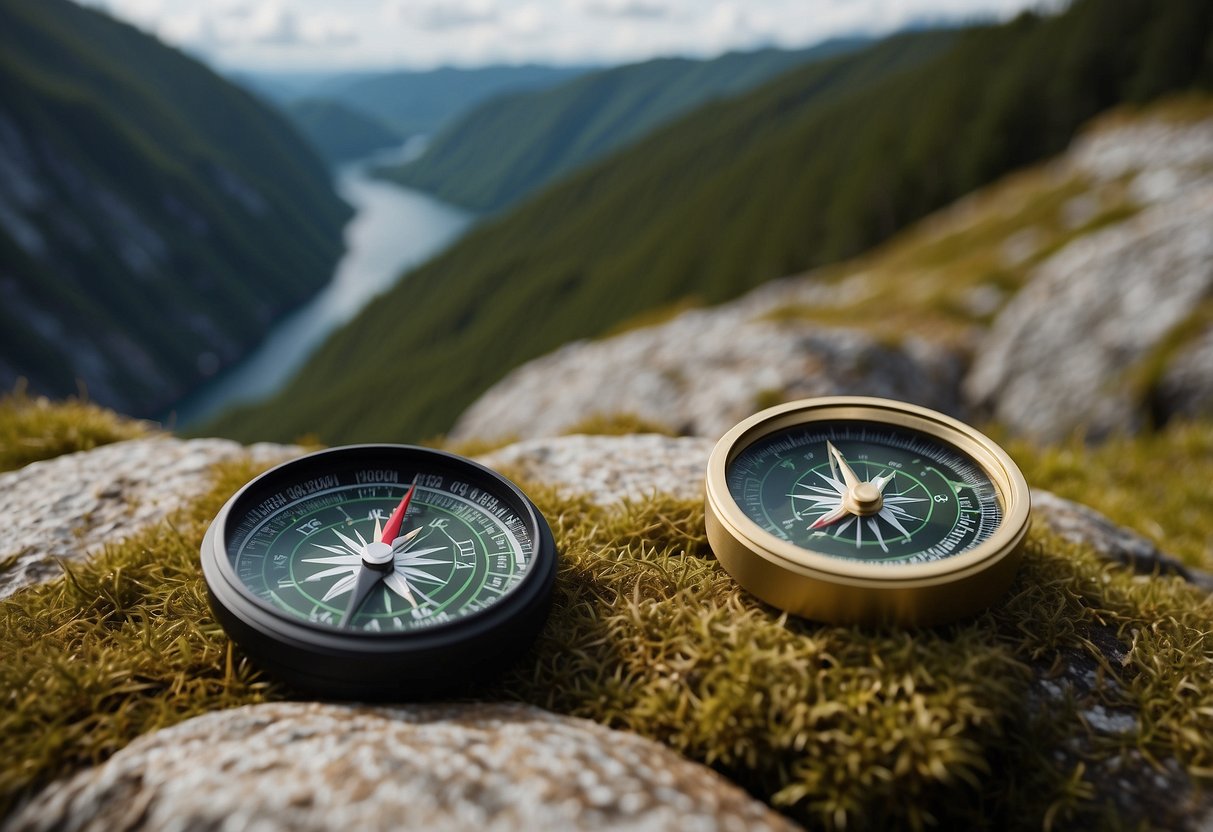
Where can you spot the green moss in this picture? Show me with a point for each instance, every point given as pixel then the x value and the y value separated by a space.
pixel 1156 483
pixel 833 725
pixel 653 317
pixel 836 726
pixel 122 644
pixel 769 397
pixel 33 428
pixel 617 424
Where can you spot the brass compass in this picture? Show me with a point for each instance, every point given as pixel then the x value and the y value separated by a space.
pixel 864 510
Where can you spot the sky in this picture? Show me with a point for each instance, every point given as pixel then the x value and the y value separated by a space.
pixel 323 35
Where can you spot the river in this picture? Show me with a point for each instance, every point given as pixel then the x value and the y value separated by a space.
pixel 393 229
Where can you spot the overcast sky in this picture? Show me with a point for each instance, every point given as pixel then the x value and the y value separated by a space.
pixel 352 34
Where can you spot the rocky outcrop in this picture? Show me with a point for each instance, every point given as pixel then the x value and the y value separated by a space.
pixel 1087 527
pixel 1110 331
pixel 311 766
pixel 707 369
pixel 608 469
pixel 1060 356
pixel 72 506
pixel 1185 390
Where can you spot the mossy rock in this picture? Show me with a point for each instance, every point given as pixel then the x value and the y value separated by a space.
pixel 1084 699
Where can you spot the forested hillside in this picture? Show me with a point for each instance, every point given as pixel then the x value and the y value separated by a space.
pixel 154 219
pixel 339 133
pixel 813 167
pixel 422 102
pixel 515 144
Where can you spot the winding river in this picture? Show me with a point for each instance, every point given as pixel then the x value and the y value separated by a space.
pixel 393 229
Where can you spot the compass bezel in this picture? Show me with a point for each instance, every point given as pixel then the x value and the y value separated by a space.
pixel 350 663
pixel 827 587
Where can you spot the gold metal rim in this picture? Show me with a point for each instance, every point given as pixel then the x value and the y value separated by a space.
pixel 822 568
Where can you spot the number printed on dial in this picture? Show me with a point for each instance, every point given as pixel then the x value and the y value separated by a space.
pixel 459 551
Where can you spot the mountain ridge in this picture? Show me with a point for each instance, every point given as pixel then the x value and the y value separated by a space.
pixel 153 218
pixel 513 144
pixel 812 168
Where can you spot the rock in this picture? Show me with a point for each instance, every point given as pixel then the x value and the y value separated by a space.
pixel 74 505
pixel 1185 390
pixel 706 370
pixel 611 468
pixel 312 766
pixel 1086 526
pixel 1056 357
pixel 608 469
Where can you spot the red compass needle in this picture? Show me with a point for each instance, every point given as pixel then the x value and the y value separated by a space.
pixel 392 530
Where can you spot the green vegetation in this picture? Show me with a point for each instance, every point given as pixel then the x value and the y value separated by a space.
pixel 513 145
pixel 833 725
pixel 34 428
pixel 617 424
pixel 1157 483
pixel 121 645
pixel 338 132
pixel 812 168
pixel 161 217
pixel 423 102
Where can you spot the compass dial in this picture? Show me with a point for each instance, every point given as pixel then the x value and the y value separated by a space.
pixel 380 571
pixel 933 501
pixel 862 510
pixel 304 558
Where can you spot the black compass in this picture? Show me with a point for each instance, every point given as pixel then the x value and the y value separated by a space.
pixel 380 571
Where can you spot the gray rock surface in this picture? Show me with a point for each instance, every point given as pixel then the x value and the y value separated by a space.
pixel 611 468
pixel 74 505
pixel 707 369
pixel 1056 357
pixel 1186 388
pixel 1084 525
pixel 312 766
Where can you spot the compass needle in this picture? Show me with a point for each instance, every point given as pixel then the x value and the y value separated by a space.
pixel 892 512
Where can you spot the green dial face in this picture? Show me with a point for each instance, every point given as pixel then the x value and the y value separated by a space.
pixel 315 551
pixel 865 491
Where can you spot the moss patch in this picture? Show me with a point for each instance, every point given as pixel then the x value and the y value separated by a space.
pixel 122 644
pixel 33 428
pixel 833 725
pixel 617 424
pixel 1157 483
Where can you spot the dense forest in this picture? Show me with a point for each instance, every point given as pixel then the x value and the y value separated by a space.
pixel 818 165
pixel 423 102
pixel 515 144
pixel 154 219
pixel 338 132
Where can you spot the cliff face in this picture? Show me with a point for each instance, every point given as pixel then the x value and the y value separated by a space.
pixel 154 219
pixel 1077 296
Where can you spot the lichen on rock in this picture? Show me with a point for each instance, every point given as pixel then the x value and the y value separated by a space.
pixel 311 766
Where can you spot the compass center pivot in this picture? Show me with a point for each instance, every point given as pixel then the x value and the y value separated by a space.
pixel 864 499
pixel 377 554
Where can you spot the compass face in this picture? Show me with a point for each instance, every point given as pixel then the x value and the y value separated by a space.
pixel 303 557
pixel 380 571
pixel 928 501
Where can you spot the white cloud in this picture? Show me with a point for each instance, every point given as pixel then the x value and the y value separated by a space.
pixel 444 15
pixel 633 9
pixel 320 34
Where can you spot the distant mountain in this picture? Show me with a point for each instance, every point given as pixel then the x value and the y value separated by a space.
pixel 154 219
pixel 514 144
pixel 813 167
pixel 338 132
pixel 423 102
